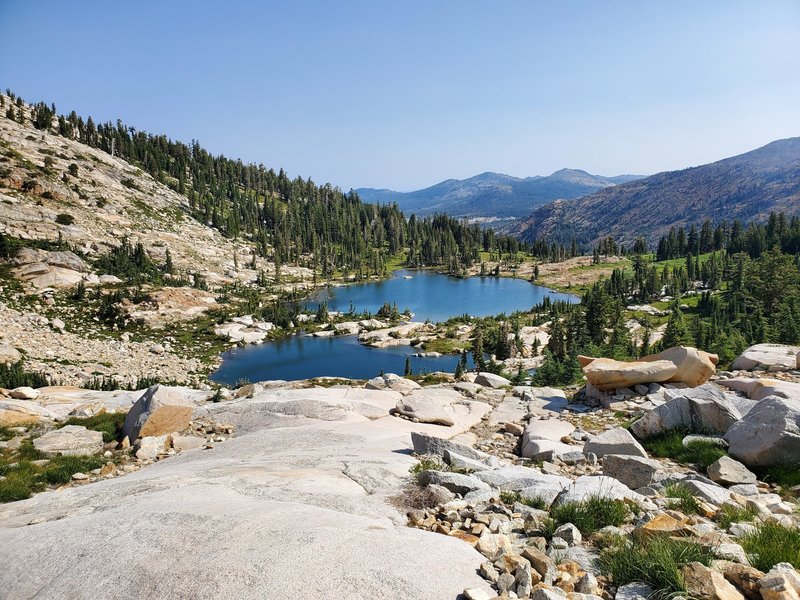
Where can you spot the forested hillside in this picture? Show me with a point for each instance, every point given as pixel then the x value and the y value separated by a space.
pixel 285 218
pixel 746 187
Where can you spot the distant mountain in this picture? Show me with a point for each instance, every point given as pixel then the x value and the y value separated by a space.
pixel 493 195
pixel 746 187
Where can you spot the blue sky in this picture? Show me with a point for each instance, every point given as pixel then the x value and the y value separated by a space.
pixel 405 94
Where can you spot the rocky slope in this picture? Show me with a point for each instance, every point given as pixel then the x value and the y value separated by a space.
pixel 494 196
pixel 58 191
pixel 746 187
pixel 291 490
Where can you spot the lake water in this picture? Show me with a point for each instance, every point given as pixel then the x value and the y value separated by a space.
pixel 426 294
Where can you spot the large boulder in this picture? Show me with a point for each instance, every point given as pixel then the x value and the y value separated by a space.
pixel 395 383
pixel 49 269
pixel 727 471
pixel 633 471
pixel 596 486
pixel 704 409
pixel 614 441
pixel 768 435
pixel 425 444
pixel 609 374
pixel 71 440
pixel 771 357
pixel 24 393
pixel 423 410
pixel 541 439
pixel 159 411
pixel 9 354
pixel 491 380
pixel 458 483
pixel 695 367
pixel 676 365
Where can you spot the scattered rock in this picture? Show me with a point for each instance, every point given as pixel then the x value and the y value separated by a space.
pixel 634 591
pixel 390 381
pixel 458 483
pixel 9 354
pixel 615 441
pixel 633 471
pixel 782 582
pixel 728 471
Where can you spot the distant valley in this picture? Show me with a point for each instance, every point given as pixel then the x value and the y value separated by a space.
pixel 494 196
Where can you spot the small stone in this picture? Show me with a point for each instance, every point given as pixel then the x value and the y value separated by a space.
pixel 634 591
pixel 569 533
pixel 79 476
pixel 505 583
pixel 587 584
pixel 476 594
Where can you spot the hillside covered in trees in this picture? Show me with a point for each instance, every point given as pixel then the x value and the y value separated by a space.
pixel 288 220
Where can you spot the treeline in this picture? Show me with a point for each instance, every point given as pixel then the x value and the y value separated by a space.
pixel 754 239
pixel 288 219
pixel 748 292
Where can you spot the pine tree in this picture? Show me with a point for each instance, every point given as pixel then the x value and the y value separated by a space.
pixel 407 371
pixel 676 334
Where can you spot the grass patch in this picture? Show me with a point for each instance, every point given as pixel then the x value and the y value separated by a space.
pixel 657 562
pixel 730 514
pixel 771 544
pixel 683 499
pixel 110 424
pixel 670 445
pixel 592 514
pixel 23 478
pixel 783 475
pixel 511 498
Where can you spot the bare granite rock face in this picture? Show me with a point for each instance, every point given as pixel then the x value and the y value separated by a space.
pixel 237 520
pixel 768 357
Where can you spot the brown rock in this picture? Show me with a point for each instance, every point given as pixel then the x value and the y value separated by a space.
pixel 744 577
pixel 703 583
pixel 472 540
pixel 695 367
pixel 540 562
pixel 662 525
pixel 160 410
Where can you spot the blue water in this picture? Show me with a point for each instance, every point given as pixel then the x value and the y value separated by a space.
pixel 438 297
pixel 428 295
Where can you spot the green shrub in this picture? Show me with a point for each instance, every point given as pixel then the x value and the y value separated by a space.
pixel 19 483
pixel 684 499
pixel 61 468
pixel 65 219
pixel 670 445
pixel 657 562
pixel 783 475
pixel 771 544
pixel 592 514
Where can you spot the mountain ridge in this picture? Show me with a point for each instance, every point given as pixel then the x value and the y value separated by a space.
pixel 491 195
pixel 747 187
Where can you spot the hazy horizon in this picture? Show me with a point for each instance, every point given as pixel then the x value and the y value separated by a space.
pixel 403 97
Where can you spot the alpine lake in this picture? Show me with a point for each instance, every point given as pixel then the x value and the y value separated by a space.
pixel 428 295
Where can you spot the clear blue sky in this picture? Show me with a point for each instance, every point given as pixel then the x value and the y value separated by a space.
pixel 404 94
